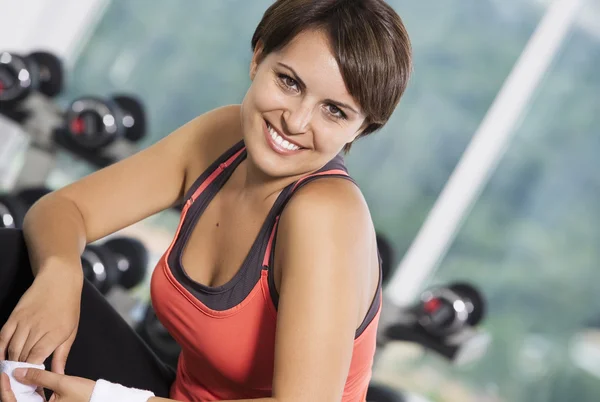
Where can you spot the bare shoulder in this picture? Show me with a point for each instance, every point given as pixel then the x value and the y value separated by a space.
pixel 326 240
pixel 330 217
pixel 324 258
pixel 213 133
pixel 153 179
pixel 331 201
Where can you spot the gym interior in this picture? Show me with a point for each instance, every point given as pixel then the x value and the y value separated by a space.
pixel 482 186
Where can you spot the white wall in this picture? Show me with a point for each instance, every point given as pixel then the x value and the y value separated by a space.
pixel 59 26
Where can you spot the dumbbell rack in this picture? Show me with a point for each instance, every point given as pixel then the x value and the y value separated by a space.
pixel 13 141
pixel 34 140
pixel 43 116
pixel 33 128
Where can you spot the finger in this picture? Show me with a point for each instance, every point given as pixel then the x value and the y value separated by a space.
pixel 40 391
pixel 38 377
pixel 59 358
pixel 6 394
pixel 41 350
pixel 16 343
pixel 5 336
pixel 29 344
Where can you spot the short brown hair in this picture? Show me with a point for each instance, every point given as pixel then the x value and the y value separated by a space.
pixel 369 41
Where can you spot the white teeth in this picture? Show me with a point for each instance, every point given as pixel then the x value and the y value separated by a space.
pixel 280 141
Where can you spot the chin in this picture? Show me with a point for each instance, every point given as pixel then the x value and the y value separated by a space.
pixel 273 159
pixel 270 163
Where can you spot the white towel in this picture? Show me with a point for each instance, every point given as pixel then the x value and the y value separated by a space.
pixel 23 393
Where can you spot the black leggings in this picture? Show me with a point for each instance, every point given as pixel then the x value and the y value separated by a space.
pixel 105 347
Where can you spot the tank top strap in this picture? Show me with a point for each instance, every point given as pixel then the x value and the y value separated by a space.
pixel 335 168
pixel 228 158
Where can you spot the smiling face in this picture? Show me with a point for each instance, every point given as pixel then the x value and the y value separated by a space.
pixel 298 114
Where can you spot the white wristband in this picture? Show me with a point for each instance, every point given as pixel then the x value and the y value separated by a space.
pixel 105 391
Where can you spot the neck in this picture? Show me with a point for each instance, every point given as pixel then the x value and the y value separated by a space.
pixel 258 187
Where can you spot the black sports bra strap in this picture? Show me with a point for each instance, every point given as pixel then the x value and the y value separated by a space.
pixel 270 249
pixel 214 166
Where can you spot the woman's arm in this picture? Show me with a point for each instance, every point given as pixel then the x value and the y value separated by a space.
pixel 324 249
pixel 59 225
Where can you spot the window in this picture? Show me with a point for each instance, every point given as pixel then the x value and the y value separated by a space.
pixel 531 245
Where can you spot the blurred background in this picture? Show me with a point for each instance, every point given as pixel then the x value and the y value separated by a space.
pixel 488 172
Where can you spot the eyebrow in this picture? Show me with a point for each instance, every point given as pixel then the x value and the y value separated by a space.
pixel 302 84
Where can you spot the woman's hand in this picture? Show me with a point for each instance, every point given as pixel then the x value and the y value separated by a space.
pixel 44 322
pixel 66 388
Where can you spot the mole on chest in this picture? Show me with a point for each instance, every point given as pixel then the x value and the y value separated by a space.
pixel 217 249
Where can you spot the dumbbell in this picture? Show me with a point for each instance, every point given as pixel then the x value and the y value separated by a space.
pixel 445 320
pixel 102 131
pixel 382 393
pixel 13 207
pixel 92 123
pixel 12 211
pixel 22 75
pixel 119 261
pixel 446 310
pixel 387 254
pixel 156 336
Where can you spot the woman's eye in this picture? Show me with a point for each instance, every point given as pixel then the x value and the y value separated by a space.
pixel 336 112
pixel 288 81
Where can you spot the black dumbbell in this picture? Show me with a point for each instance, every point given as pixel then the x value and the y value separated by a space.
pixel 12 211
pixel 31 195
pixel 99 267
pixel 387 254
pixel 445 320
pixel 22 75
pixel 119 261
pixel 13 207
pixel 383 393
pixel 132 260
pixel 447 310
pixel 93 123
pixel 156 336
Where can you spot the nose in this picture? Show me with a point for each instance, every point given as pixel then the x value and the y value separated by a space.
pixel 296 118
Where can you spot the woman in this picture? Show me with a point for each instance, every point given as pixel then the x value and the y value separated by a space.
pixel 272 283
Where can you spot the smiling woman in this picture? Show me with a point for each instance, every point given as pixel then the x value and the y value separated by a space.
pixel 272 283
pixel 368 47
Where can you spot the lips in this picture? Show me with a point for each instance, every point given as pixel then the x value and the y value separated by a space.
pixel 269 125
pixel 282 147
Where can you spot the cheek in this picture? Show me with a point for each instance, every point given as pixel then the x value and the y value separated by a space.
pixel 331 138
pixel 254 101
pixel 265 94
pixel 333 135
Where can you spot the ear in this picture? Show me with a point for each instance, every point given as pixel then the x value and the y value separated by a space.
pixel 256 59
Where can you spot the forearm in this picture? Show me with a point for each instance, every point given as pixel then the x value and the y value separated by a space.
pixel 55 235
